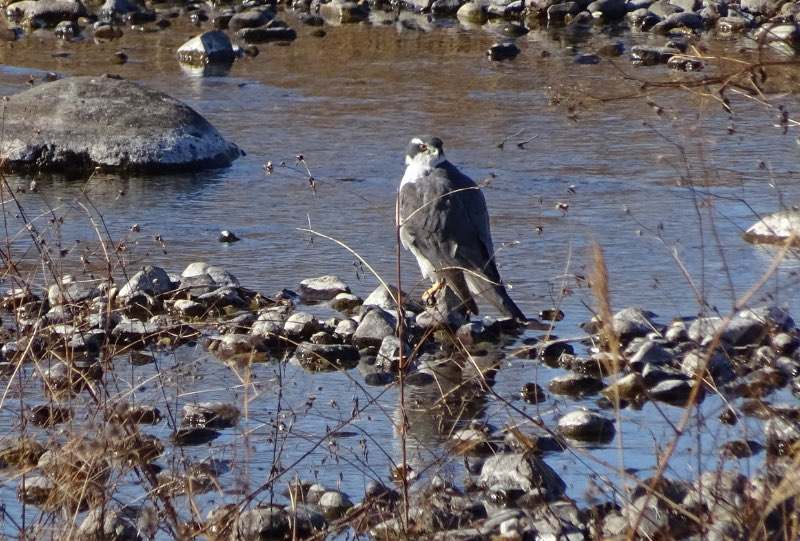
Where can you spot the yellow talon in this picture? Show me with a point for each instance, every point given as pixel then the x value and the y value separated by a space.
pixel 429 297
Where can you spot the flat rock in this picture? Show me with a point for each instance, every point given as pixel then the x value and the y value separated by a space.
pixel 323 288
pixel 46 12
pixel 85 122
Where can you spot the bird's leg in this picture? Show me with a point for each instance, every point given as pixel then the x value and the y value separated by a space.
pixel 429 297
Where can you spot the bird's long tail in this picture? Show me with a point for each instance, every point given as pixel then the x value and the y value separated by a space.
pixel 496 295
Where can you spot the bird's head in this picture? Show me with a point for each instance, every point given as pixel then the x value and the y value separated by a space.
pixel 425 152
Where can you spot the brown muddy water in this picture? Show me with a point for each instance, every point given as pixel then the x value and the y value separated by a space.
pixel 666 195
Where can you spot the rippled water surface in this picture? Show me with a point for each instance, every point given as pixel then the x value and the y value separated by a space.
pixel 665 182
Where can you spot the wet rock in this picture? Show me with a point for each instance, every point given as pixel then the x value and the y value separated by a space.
pixel 678 20
pixel 71 291
pixel 654 518
pixel 553 352
pixel 717 490
pixel 343 12
pixel 72 377
pixel 266 35
pixel 46 12
pixel 334 504
pixel 276 522
pixel 503 51
pixel 189 308
pixel 677 332
pixel 675 392
pixel 19 452
pixel 741 448
pixel 652 353
pixel 322 289
pixel 326 357
pixel 270 323
pixel 149 281
pixel 375 325
pixel 475 440
pixel 67 30
pixel 253 18
pixel 472 13
pixel 719 366
pixel 346 303
pixel 685 63
pixel 586 426
pixel 49 415
pixel 769 316
pixel 115 9
pixel 345 329
pixel 739 331
pixel 125 414
pixel 781 435
pixel 170 136
pixel 557 13
pixel 642 18
pixel 385 297
pixel 575 385
pixel 212 46
pixel 216 415
pixel 301 325
pixel 649 56
pixel 389 354
pixel 217 275
pixel 105 523
pixel 509 476
pixel 608 10
pixel 193 436
pixel 225 298
pixel 630 387
pixel 728 26
pixel 533 393
pixel 630 323
pixel 38 490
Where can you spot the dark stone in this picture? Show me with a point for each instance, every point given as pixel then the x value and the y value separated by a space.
pixel 216 415
pixel 265 35
pixel 649 56
pixel 250 19
pixel 193 436
pixel 610 10
pixel 326 357
pixel 503 51
pixel 213 46
pixel 575 385
pixel 84 122
pixel 533 393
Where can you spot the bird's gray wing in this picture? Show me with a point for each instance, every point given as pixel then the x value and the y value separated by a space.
pixel 467 227
pixel 467 224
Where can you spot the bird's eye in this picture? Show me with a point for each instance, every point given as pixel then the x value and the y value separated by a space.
pixel 423 148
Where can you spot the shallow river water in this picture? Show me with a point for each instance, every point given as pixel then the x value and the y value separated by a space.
pixel 665 182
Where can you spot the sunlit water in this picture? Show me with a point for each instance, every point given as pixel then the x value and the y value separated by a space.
pixel 666 196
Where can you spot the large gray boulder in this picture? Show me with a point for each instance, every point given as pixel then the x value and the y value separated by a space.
pixel 84 122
